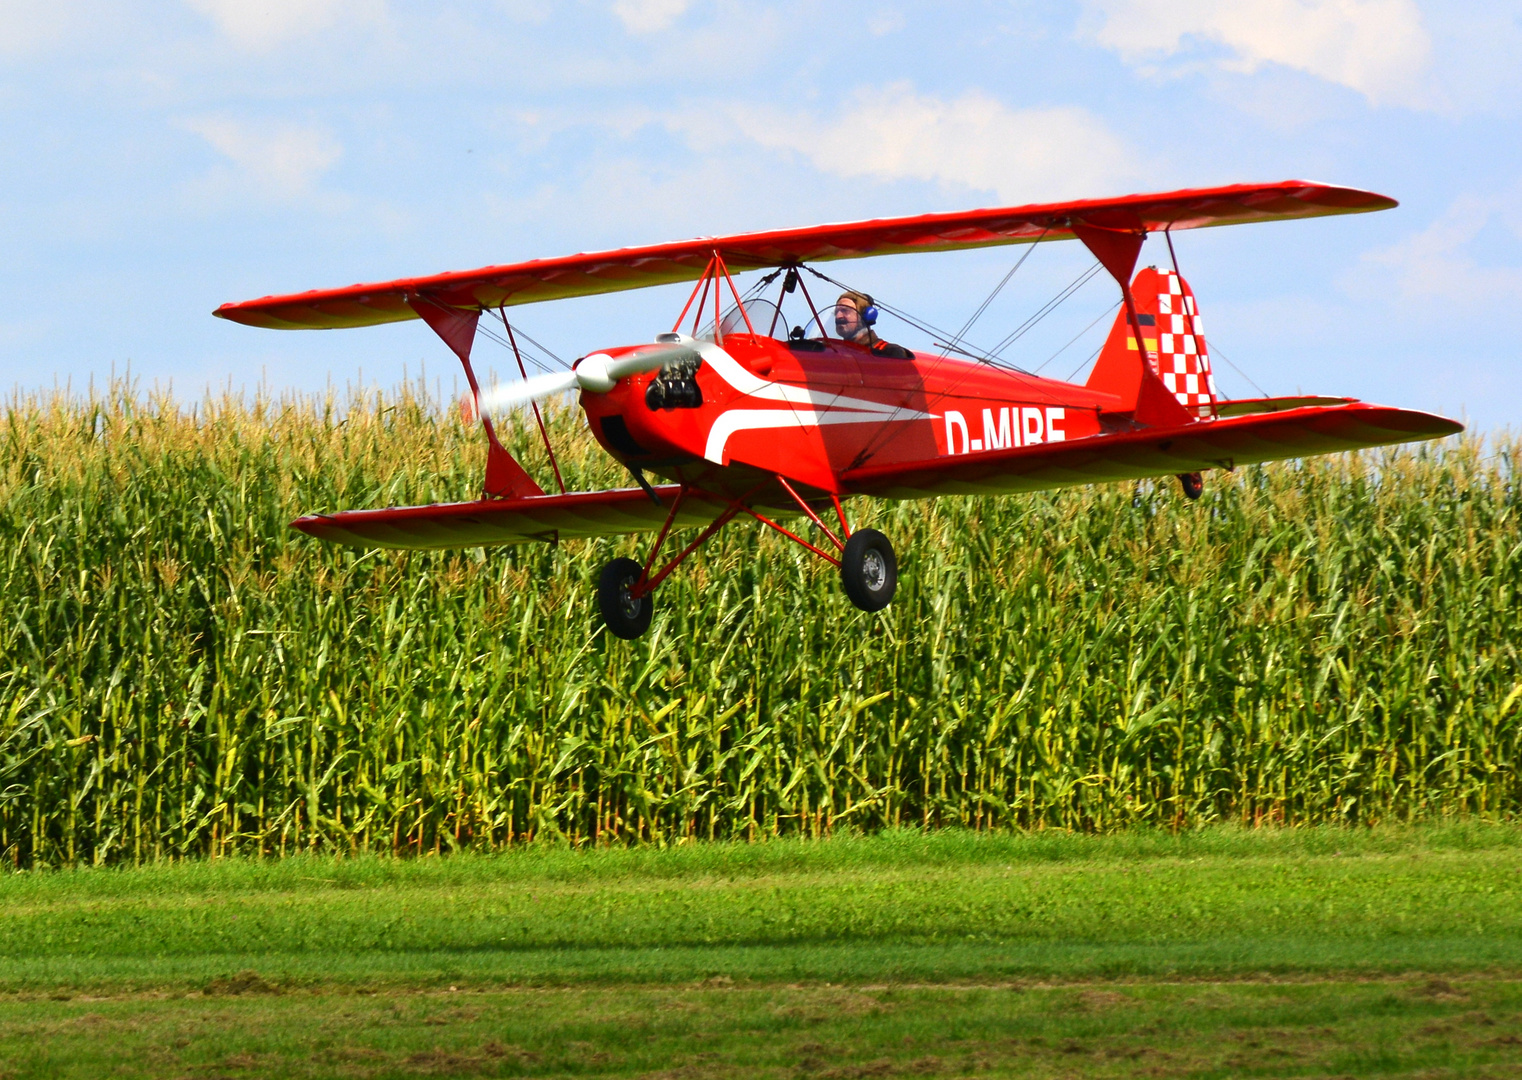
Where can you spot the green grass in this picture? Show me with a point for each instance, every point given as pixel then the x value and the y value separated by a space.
pixel 182 675
pixel 897 907
pixel 1214 953
pixel 1417 1027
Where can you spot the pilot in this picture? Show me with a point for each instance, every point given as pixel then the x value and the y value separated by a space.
pixel 854 315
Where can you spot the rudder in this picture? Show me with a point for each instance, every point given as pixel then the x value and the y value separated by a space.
pixel 1174 339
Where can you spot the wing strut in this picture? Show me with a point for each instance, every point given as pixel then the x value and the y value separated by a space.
pixel 456 327
pixel 544 434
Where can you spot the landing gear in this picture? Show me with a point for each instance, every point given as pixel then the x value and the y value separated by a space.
pixel 869 570
pixel 1192 483
pixel 627 616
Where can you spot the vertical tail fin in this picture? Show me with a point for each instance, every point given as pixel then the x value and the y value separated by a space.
pixel 1174 340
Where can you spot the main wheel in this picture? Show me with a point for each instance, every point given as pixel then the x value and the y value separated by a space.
pixel 869 570
pixel 1192 483
pixel 626 616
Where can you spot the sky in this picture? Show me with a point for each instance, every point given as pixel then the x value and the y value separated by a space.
pixel 160 159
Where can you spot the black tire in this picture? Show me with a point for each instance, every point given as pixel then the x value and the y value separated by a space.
pixel 869 570
pixel 625 616
pixel 1192 483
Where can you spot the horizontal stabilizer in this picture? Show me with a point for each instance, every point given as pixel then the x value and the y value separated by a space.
pixel 1247 406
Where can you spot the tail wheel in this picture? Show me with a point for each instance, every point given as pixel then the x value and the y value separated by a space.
pixel 1192 483
pixel 626 616
pixel 869 570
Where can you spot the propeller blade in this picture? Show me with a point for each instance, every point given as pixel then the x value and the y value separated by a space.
pixel 506 396
pixel 596 374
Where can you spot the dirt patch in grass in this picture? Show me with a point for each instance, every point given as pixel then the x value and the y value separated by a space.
pixel 1102 999
pixel 244 982
pixel 820 1006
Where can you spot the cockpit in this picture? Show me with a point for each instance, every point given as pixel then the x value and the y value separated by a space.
pixel 766 320
pixel 849 320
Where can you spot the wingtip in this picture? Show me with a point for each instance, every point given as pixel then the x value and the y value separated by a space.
pixel 1427 425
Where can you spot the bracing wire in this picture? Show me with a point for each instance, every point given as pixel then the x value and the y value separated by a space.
pixel 529 356
pixel 987 356
pixel 1085 330
pixel 486 330
pixel 1085 362
pixel 930 330
pixel 990 356
pixel 961 335
pixel 883 435
pixel 539 356
pixel 1046 309
pixel 1215 350
pixel 538 345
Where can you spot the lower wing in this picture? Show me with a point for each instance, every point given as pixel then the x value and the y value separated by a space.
pixel 1132 455
pixel 548 518
pixel 1222 443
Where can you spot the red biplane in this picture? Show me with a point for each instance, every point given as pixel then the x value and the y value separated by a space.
pixel 742 416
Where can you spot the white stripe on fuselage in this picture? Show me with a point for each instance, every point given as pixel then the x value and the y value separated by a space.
pixel 733 420
pixel 838 408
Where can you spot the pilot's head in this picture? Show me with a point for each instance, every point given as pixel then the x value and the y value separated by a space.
pixel 851 320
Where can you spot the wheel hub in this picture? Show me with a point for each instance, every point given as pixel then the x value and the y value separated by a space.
pixel 626 600
pixel 873 571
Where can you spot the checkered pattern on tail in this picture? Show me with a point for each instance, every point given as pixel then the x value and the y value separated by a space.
pixel 1181 360
pixel 1169 326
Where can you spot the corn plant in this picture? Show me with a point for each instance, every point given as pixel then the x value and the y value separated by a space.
pixel 183 675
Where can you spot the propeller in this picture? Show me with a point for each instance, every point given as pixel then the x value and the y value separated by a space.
pixel 596 374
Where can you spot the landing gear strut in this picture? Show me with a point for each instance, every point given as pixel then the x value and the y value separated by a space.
pixel 1192 483
pixel 868 567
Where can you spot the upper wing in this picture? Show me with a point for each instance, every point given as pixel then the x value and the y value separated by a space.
pixel 506 521
pixel 661 264
pixel 1224 443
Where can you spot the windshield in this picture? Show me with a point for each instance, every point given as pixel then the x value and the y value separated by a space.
pixel 840 321
pixel 763 315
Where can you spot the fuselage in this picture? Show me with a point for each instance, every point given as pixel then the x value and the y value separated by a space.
pixel 814 410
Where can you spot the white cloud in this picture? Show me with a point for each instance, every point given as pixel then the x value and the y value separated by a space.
pixel 262 24
pixel 33 25
pixel 1440 264
pixel 1379 48
pixel 280 162
pixel 649 16
pixel 974 141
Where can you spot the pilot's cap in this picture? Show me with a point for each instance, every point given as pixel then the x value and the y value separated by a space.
pixel 859 301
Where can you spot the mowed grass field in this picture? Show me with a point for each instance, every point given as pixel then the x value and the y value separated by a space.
pixel 1219 952
pixel 183 675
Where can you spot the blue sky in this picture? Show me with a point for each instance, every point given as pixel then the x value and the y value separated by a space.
pixel 163 158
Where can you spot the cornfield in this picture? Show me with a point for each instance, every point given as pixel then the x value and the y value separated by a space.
pixel 182 675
